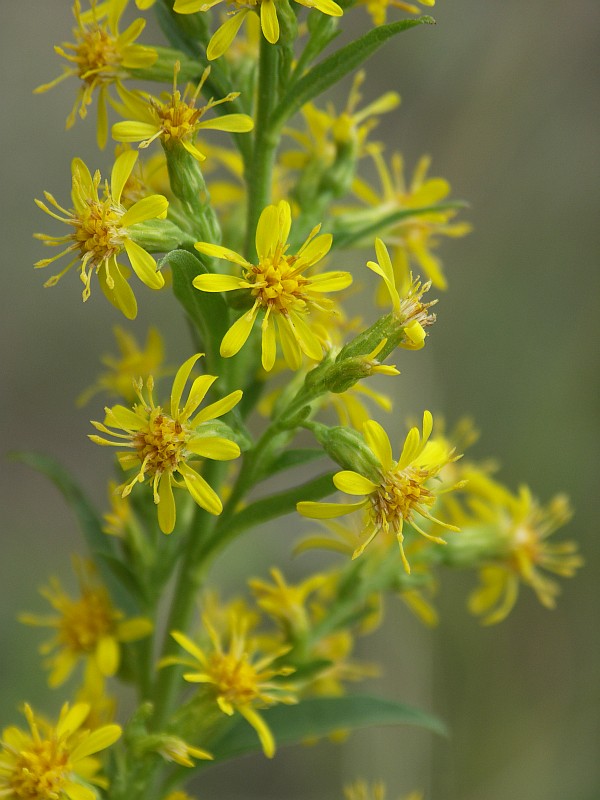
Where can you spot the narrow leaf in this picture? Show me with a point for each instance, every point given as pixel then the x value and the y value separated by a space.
pixel 332 69
pixel 320 716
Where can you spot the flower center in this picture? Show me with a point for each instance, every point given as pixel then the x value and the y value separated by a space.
pixel 178 119
pixel 98 231
pixel 399 494
pixel 97 56
pixel 40 771
pixel 277 284
pixel 235 678
pixel 160 446
pixel 87 620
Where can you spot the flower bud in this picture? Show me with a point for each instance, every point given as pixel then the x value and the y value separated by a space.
pixel 347 448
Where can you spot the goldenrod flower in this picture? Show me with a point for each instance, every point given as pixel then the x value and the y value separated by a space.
pixel 162 444
pixel 239 682
pixel 412 314
pixel 172 748
pixel 88 627
pixel 54 762
pixel 286 602
pixel 326 129
pixel 132 362
pixel 415 238
pixel 175 119
pixel 224 36
pixel 100 57
pixel 378 8
pixel 102 230
pixel 278 288
pixel 522 529
pixel 398 495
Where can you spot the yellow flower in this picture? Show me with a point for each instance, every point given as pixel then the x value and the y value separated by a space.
pixel 378 8
pixel 411 313
pixel 88 627
pixel 175 119
pixel 286 602
pixel 172 748
pixel 118 518
pixel 400 492
pixel 161 444
pixel 102 229
pixel 131 363
pixel 522 528
pixel 278 288
pixel 237 680
pixel 224 36
pixel 360 790
pixel 54 762
pixel 415 238
pixel 326 129
pixel 100 57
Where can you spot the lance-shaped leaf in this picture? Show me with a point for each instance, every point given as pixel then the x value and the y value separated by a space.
pixel 317 717
pixel 344 61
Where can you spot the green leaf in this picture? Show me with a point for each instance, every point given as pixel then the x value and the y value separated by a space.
pixel 277 505
pixel 101 546
pixel 347 237
pixel 332 69
pixel 317 717
pixel 207 311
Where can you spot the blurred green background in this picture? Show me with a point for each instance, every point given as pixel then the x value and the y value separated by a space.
pixel 503 95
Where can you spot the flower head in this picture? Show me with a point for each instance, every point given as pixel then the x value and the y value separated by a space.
pixel 237 680
pixel 226 33
pixel 176 119
pixel 416 237
pixel 523 526
pixel 100 56
pixel 278 288
pixel 88 628
pixel 133 361
pixel 102 230
pixel 400 492
pixel 54 762
pixel 286 602
pixel 162 443
pixel 378 8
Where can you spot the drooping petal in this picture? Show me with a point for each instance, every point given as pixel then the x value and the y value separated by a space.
pixel 144 265
pixel 201 492
pixel 260 726
pixel 289 346
pixel 107 656
pixel 269 344
pixel 268 21
pixel 307 340
pixel 238 334
pixel 120 294
pixel 166 505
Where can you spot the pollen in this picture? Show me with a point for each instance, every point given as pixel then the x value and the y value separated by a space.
pixel 98 231
pixel 235 679
pixel 97 56
pixel 277 283
pixel 84 622
pixel 41 771
pixel 399 496
pixel 160 446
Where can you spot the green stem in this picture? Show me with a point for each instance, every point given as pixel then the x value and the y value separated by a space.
pixel 266 139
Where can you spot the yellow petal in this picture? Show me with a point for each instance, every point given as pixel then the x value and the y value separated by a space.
pixel 260 726
pixel 107 656
pixel 188 645
pixel 218 283
pixel 289 346
pixel 352 483
pixel 120 173
pixel 133 131
pixel 328 7
pixel 197 394
pixel 379 442
pixel 144 265
pixel 330 282
pixel 224 36
pixel 214 447
pixel 317 249
pixel 98 740
pixel 307 340
pixel 269 344
pixel 201 492
pixel 183 373
pixel 217 251
pixel 187 6
pixel 267 232
pixel 153 207
pixel 133 629
pixel 268 21
pixel 234 123
pixel 166 505
pixel 313 510
pixel 217 409
pixel 238 334
pixel 120 294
